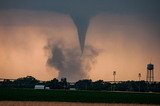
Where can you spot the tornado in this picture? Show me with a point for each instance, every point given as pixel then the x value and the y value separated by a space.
pixel 67 60
pixel 81 22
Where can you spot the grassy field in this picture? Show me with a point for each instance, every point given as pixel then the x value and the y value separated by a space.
pixel 78 96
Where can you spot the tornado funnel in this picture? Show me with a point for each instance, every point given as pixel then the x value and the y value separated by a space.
pixel 81 23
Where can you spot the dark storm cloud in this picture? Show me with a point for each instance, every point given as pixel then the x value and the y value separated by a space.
pixel 86 7
pixel 69 62
pixel 81 11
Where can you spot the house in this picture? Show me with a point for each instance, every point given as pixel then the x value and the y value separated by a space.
pixel 39 87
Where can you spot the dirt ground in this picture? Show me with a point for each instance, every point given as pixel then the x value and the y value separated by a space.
pixel 24 103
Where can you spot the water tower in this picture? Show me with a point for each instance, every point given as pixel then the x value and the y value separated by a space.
pixel 150 72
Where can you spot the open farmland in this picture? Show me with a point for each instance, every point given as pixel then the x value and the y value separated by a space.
pixel 78 96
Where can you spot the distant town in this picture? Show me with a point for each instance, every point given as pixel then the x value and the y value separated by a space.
pixel 85 84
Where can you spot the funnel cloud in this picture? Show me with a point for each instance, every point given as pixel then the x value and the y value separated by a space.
pixel 82 11
pixel 82 25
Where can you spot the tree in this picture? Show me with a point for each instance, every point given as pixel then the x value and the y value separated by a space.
pixel 84 84
pixel 7 84
pixel 25 82
pixel 64 84
pixel 53 84
pixel 98 85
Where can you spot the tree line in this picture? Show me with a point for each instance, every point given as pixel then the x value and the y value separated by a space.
pixel 85 84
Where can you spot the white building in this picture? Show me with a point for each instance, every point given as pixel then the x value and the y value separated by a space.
pixel 47 88
pixel 39 87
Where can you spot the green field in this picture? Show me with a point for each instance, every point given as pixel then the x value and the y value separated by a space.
pixel 78 96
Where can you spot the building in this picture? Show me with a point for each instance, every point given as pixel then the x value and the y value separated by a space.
pixel 39 87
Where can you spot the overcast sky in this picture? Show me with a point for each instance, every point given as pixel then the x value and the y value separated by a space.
pixel 125 33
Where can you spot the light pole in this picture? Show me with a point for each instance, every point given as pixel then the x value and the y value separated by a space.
pixel 139 75
pixel 114 74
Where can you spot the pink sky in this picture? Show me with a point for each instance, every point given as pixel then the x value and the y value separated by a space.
pixel 126 43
